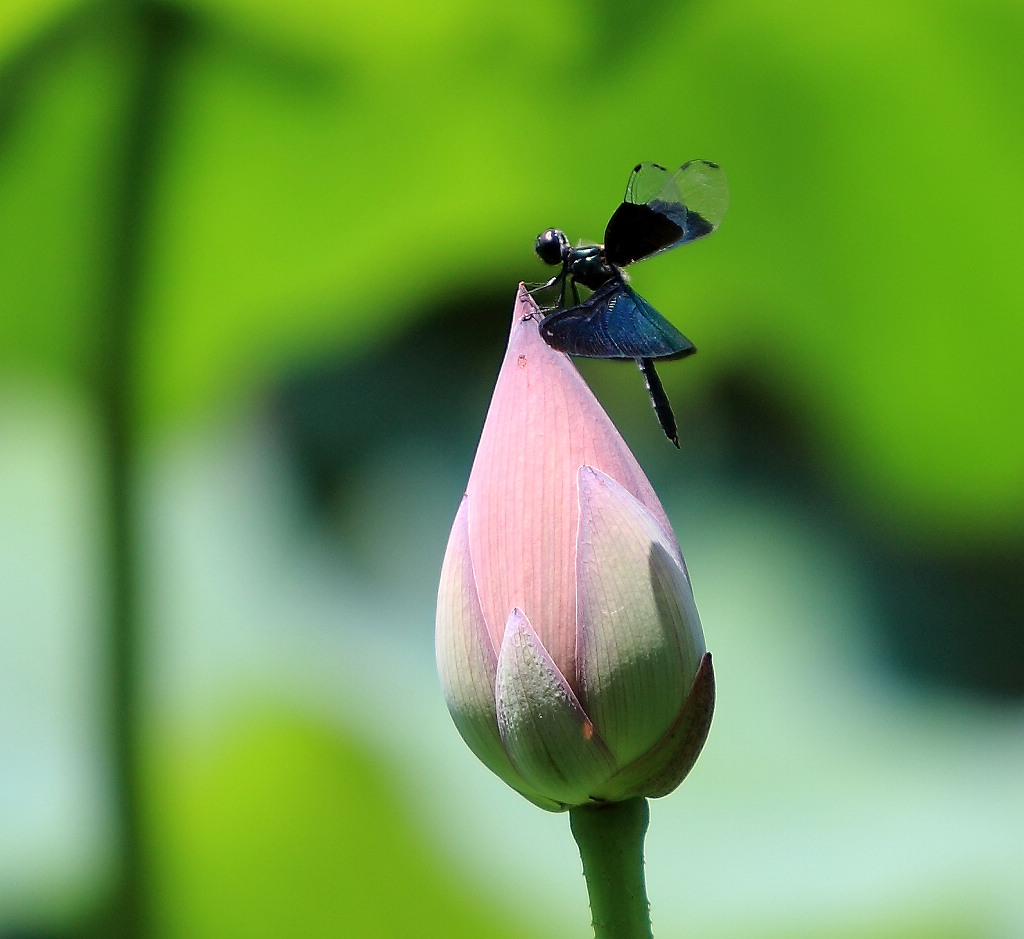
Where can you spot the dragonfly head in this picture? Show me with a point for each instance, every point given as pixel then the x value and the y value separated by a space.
pixel 552 246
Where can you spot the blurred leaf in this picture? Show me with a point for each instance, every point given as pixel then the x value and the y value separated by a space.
pixel 24 21
pixel 869 242
pixel 61 108
pixel 329 170
pixel 287 829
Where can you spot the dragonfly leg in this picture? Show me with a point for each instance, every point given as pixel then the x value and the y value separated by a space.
pixel 559 279
pixel 551 283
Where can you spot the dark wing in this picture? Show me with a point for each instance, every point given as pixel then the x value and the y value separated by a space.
pixel 663 209
pixel 614 322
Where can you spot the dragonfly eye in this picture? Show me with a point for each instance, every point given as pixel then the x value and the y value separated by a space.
pixel 552 246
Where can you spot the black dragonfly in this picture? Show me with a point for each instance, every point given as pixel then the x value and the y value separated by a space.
pixel 662 209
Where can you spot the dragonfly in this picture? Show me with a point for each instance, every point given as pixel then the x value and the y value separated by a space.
pixel 662 209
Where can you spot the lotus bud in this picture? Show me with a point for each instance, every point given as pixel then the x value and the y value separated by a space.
pixel 568 643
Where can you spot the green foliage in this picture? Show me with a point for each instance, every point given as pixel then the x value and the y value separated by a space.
pixel 327 167
pixel 285 828
pixel 326 173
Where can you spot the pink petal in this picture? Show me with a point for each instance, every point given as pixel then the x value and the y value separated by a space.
pixel 467 662
pixel 548 737
pixel 466 659
pixel 542 426
pixel 640 639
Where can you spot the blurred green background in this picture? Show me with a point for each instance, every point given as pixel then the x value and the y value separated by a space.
pixel 257 262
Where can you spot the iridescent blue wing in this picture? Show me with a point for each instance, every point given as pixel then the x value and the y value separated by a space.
pixel 614 322
pixel 663 209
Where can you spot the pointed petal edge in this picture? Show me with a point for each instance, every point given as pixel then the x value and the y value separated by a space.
pixel 671 759
pixel 466 662
pixel 547 735
pixel 639 638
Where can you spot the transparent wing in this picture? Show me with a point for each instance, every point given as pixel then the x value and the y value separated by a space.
pixel 663 209
pixel 614 322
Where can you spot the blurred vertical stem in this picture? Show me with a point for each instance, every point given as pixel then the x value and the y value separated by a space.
pixel 146 35
pixel 611 843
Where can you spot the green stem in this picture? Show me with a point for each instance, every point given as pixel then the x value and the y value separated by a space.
pixel 611 843
pixel 148 36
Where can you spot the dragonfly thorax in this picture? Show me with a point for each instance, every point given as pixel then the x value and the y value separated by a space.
pixel 588 266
